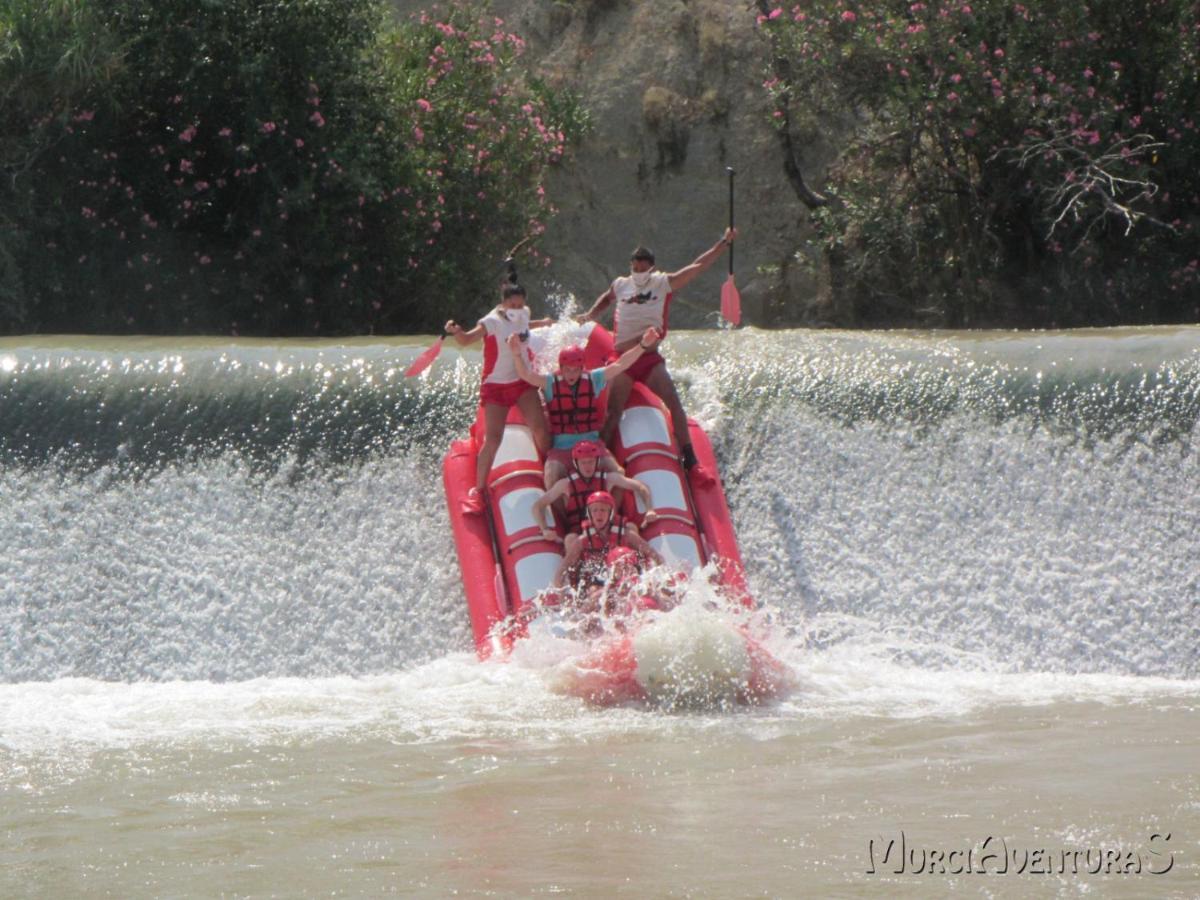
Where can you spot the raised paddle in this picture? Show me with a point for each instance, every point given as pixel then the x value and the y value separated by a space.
pixel 731 300
pixel 425 360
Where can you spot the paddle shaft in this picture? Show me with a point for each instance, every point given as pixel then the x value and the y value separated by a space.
pixel 731 174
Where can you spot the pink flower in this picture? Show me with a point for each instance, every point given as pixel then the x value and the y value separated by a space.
pixel 775 13
pixel 225 132
pixel 317 119
pixel 267 127
pixel 849 16
pixel 418 134
pixel 187 134
pixel 424 105
pixel 205 260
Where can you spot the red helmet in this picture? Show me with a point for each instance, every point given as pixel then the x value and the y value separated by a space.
pixel 571 356
pixel 588 450
pixel 602 497
pixel 621 554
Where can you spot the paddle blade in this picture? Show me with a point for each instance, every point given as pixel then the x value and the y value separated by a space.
pixel 731 302
pixel 425 360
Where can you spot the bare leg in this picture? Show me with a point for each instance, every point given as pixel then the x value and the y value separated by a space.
pixel 618 394
pixel 555 472
pixel 609 464
pixel 530 405
pixel 659 381
pixel 573 548
pixel 493 423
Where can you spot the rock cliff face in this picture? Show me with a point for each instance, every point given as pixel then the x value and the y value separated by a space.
pixel 674 88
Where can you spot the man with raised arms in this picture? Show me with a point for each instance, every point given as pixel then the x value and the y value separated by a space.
pixel 643 299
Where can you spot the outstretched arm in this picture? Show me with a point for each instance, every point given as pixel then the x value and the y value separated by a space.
pixel 517 347
pixel 630 356
pixel 702 262
pixel 601 304
pixel 461 336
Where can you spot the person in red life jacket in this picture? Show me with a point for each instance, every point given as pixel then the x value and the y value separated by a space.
pixel 575 404
pixel 643 299
pixel 603 529
pixel 502 388
pixel 584 482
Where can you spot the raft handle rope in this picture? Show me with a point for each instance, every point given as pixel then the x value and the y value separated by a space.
pixel 516 474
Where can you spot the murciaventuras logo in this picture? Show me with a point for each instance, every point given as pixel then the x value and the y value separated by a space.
pixel 898 855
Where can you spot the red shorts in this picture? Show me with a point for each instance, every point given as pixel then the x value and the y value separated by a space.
pixel 505 395
pixel 644 366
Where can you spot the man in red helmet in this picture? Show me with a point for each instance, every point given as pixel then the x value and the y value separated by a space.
pixel 570 494
pixel 643 299
pixel 575 405
pixel 603 530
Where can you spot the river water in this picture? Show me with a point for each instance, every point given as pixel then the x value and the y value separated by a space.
pixel 236 661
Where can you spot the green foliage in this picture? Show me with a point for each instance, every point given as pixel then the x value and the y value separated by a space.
pixel 286 168
pixel 1010 164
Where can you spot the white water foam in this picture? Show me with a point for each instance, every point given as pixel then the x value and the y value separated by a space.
pixel 210 571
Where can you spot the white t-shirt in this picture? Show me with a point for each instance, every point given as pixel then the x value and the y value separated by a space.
pixel 640 306
pixel 498 326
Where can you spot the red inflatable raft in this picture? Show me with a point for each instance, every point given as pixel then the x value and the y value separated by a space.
pixel 505 560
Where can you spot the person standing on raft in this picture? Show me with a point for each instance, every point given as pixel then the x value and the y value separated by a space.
pixel 643 298
pixel 574 403
pixel 502 387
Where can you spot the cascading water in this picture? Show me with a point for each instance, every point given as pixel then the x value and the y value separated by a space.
pixel 228 511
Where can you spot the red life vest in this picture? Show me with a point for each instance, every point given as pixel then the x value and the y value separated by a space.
pixel 597 543
pixel 576 502
pixel 574 409
pixel 593 560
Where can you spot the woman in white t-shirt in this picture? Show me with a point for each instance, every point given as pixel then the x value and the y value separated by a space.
pixel 502 386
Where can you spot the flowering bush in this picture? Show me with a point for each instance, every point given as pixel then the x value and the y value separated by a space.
pixel 1009 164
pixel 290 168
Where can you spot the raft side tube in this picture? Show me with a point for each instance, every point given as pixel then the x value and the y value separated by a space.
pixel 647 449
pixel 473 543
